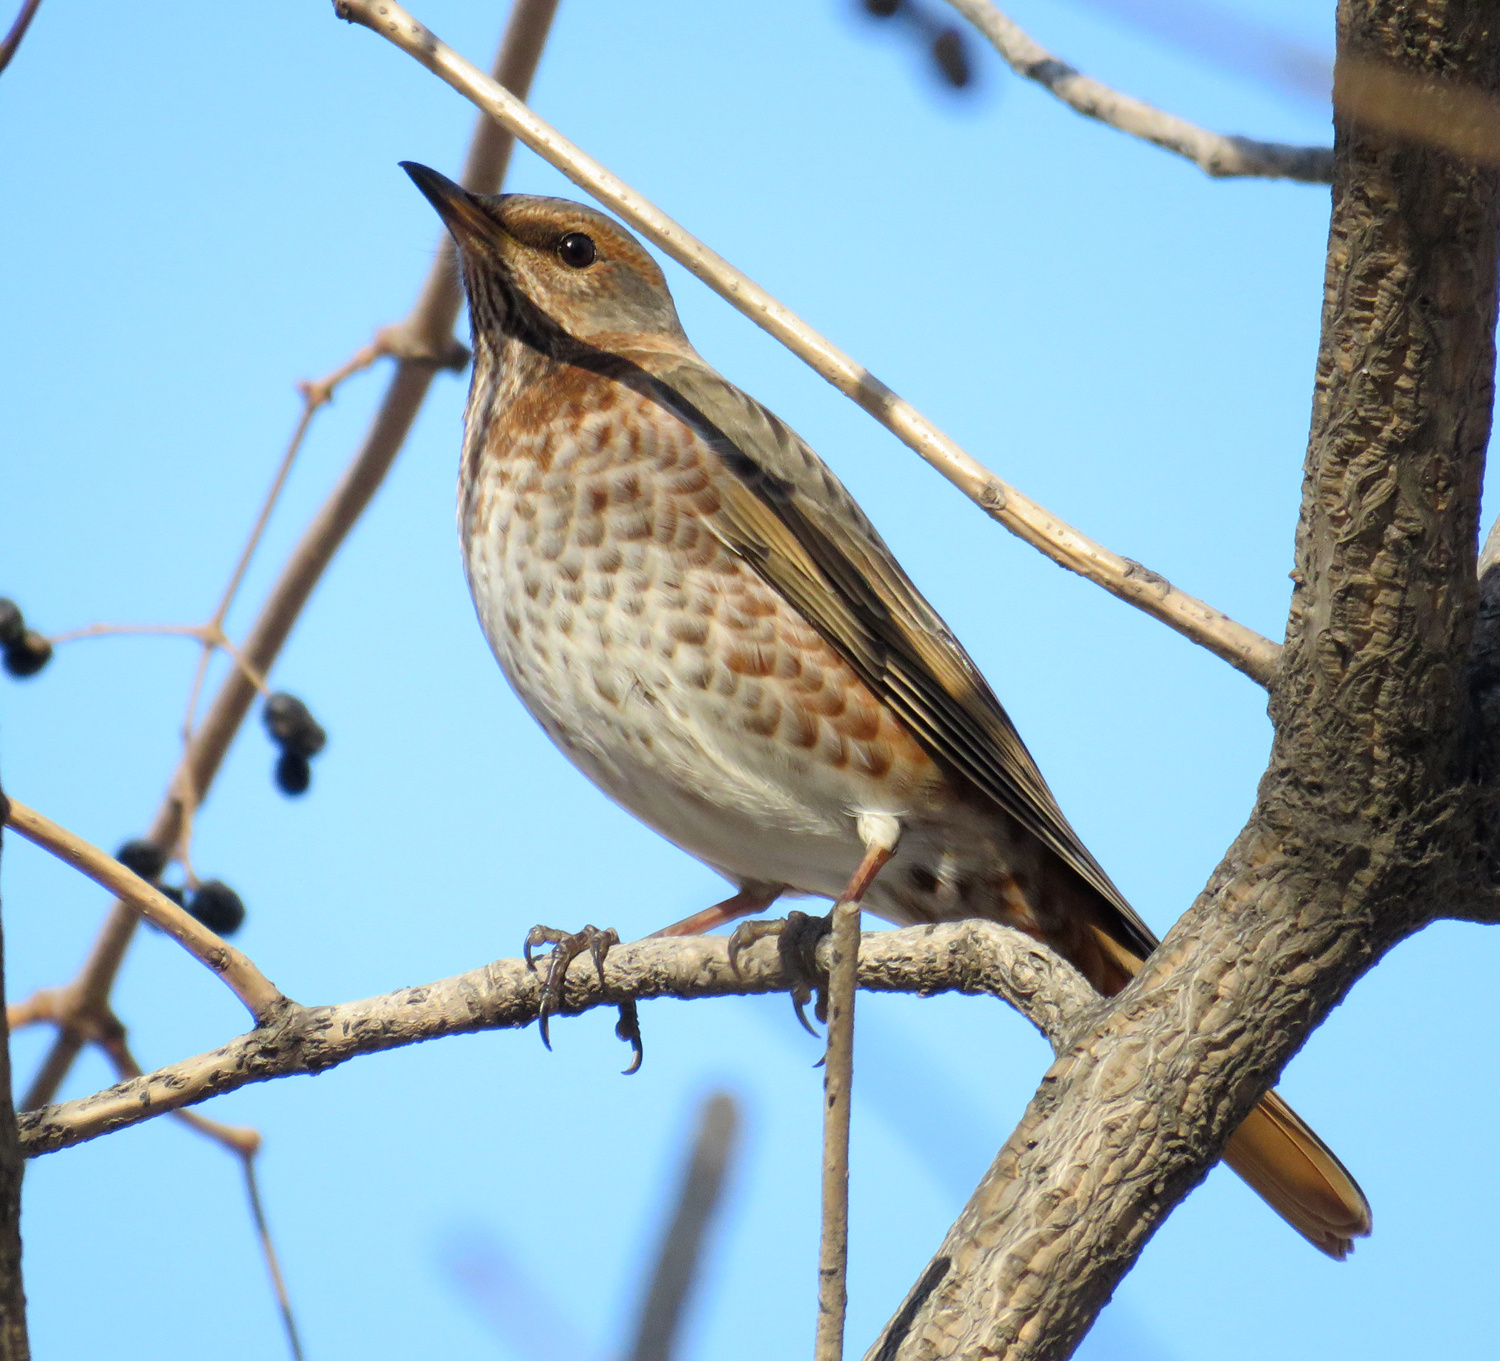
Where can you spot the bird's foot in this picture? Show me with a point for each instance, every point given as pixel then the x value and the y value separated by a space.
pixel 797 936
pixel 567 946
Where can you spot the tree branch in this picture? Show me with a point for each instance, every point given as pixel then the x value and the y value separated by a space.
pixel 679 1260
pixel 261 997
pixel 14 1343
pixel 1241 647
pixel 12 39
pixel 1214 153
pixel 968 957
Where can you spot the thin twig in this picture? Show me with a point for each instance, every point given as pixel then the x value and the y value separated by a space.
pixel 316 394
pixel 268 1250
pixel 424 344
pixel 210 635
pixel 880 834
pixel 18 29
pixel 838 1079
pixel 1212 152
pixel 245 1144
pixel 971 957
pixel 1241 647
pixel 679 1261
pixel 128 630
pixel 14 1344
pixel 261 997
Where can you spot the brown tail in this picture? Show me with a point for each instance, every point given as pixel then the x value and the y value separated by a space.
pixel 1297 1175
pixel 1274 1150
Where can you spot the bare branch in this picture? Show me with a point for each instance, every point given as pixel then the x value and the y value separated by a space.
pixel 968 957
pixel 245 1144
pixel 268 1251
pixel 1428 107
pixel 423 343
pixel 261 997
pixel 1461 119
pixel 1216 154
pixel 838 1092
pixel 680 1259
pixel 12 40
pixel 1241 647
pixel 14 1343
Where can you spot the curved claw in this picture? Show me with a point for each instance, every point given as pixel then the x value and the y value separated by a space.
pixel 797 936
pixel 628 1028
pixel 747 933
pixel 567 946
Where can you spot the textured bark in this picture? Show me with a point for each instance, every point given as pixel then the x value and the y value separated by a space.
pixel 1372 817
pixel 13 1340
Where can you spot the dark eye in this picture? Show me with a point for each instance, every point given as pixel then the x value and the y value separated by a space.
pixel 576 250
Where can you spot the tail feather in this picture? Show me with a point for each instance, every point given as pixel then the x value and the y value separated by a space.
pixel 1299 1177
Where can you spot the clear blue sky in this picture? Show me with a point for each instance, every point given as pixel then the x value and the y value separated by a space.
pixel 195 212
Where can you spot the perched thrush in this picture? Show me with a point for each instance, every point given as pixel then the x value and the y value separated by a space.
pixel 688 601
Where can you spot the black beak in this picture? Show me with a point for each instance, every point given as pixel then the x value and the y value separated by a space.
pixel 462 212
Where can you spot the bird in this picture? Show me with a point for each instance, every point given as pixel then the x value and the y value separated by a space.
pixel 703 620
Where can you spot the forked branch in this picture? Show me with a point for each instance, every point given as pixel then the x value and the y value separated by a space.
pixel 261 997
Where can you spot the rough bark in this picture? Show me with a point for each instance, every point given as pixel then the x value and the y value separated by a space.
pixel 13 1340
pixel 1370 816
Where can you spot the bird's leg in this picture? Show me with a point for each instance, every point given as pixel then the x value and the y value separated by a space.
pixel 567 946
pixel 752 898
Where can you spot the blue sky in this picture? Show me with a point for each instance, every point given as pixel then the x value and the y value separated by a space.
pixel 197 212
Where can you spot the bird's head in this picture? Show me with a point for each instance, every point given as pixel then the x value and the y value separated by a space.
pixel 533 264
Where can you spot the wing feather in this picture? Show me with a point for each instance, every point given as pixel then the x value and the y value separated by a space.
pixel 786 514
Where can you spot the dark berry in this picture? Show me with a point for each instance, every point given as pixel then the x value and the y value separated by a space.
pixel 143 857
pixel 218 907
pixel 952 58
pixel 293 774
pixel 12 624
pixel 28 655
pixel 291 725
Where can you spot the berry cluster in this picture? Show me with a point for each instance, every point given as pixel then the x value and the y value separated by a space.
pixel 25 651
pixel 299 736
pixel 213 903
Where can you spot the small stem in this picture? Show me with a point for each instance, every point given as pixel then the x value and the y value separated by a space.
pixel 118 630
pixel 18 29
pixel 268 1249
pixel 679 1262
pixel 1211 152
pixel 838 1079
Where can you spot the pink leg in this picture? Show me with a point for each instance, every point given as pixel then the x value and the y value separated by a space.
pixel 755 898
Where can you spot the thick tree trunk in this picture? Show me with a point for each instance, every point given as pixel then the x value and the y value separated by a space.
pixel 1365 828
pixel 13 1342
